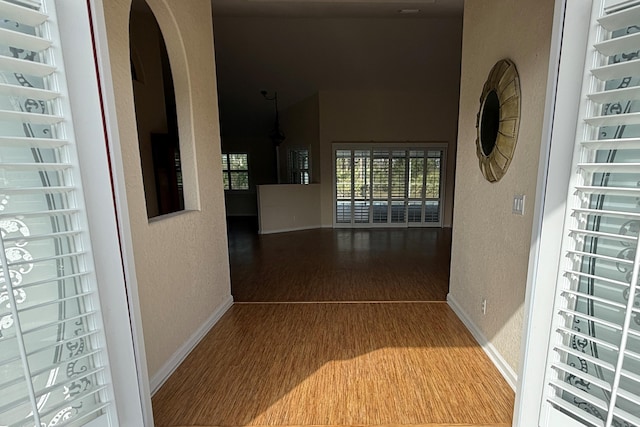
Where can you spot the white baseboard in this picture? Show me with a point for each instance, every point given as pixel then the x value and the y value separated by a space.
pixel 505 369
pixel 286 230
pixel 178 357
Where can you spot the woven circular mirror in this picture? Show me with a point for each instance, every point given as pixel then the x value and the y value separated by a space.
pixel 498 120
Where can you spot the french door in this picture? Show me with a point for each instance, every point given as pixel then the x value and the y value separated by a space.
pixel 377 186
pixel 592 370
pixel 54 352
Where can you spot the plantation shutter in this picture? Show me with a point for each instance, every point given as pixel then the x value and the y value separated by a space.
pixel 593 370
pixel 53 362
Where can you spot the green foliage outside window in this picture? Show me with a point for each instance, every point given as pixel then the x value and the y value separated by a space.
pixel 235 171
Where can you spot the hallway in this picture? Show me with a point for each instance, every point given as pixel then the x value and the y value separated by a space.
pixel 315 338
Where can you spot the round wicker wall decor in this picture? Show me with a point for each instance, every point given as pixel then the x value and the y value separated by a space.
pixel 498 120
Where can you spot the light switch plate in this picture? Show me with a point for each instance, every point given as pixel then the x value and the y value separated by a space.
pixel 518 204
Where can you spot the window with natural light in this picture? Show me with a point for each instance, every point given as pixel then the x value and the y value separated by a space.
pixel 376 186
pixel 298 166
pixel 235 171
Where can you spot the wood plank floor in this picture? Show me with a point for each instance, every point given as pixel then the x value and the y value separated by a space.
pixel 281 358
pixel 335 364
pixel 340 265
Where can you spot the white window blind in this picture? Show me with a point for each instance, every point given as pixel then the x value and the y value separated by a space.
pixel 593 370
pixel 298 166
pixel 53 367
pixel 377 186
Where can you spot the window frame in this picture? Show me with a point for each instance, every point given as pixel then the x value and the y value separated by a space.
pixel 390 147
pixel 229 172
pixel 293 171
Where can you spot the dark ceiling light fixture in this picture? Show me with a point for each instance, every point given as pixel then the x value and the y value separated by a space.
pixel 277 135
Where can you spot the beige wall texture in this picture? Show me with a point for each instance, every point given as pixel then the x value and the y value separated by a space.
pixel 302 123
pixel 181 259
pixel 288 207
pixel 389 117
pixel 490 246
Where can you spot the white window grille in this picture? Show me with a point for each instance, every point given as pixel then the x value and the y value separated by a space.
pixel 593 370
pixel 53 361
pixel 235 171
pixel 378 186
pixel 298 166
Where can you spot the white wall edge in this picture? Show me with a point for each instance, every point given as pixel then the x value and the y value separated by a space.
pixel 505 369
pixel 178 357
pixel 286 230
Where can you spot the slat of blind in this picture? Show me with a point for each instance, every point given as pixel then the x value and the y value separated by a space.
pixel 631 397
pixel 631 375
pixel 36 214
pixel 28 92
pixel 74 297
pixel 49 368
pixel 619 45
pixel 24 41
pixel 32 142
pixel 614 120
pixel 626 416
pixel 84 316
pixel 5 385
pixel 48 258
pixel 626 94
pixel 634 333
pixel 22 66
pixel 579 393
pixel 36 237
pixel 611 325
pixel 617 71
pixel 84 415
pixel 617 20
pixel 14 404
pixel 579 413
pixel 600 257
pixel 52 280
pixel 612 144
pixel 43 391
pixel 69 402
pixel 606 213
pixel 44 167
pixel 36 190
pixel 594 276
pixel 603 235
pixel 34 118
pixel 33 4
pixel 610 191
pixel 599 362
pixel 613 168
pixel 21 14
pixel 62 342
pixel 582 375
pixel 592 298
pixel 569 332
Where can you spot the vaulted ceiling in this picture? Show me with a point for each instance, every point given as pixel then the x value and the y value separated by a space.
pixel 300 47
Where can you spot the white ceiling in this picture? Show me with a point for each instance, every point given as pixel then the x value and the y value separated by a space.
pixel 336 8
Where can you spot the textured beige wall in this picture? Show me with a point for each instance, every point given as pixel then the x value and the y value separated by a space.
pixel 386 116
pixel 301 123
pixel 287 207
pixel 490 246
pixel 181 260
